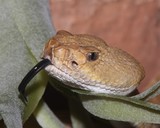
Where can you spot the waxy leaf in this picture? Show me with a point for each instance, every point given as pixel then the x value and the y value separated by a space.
pixel 25 26
pixel 123 108
pixel 46 118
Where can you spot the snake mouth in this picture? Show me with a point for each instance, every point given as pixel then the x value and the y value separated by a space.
pixel 37 68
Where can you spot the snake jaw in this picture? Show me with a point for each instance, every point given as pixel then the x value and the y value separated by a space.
pixel 37 68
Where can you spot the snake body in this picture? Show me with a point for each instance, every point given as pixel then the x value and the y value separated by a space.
pixel 87 62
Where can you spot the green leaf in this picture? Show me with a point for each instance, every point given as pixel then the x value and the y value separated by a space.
pixel 121 108
pixel 25 26
pixel 46 118
pixel 150 93
pixel 79 117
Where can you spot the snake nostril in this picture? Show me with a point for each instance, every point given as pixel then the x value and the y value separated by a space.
pixel 74 63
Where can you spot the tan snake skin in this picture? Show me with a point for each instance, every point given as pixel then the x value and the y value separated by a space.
pixel 87 62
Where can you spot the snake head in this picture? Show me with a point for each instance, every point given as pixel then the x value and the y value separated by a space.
pixel 87 62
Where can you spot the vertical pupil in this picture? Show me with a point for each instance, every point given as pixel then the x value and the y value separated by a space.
pixel 92 56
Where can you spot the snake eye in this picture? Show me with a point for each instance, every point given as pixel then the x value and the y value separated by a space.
pixel 92 56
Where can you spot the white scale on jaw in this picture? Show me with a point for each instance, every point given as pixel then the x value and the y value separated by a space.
pixel 69 80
